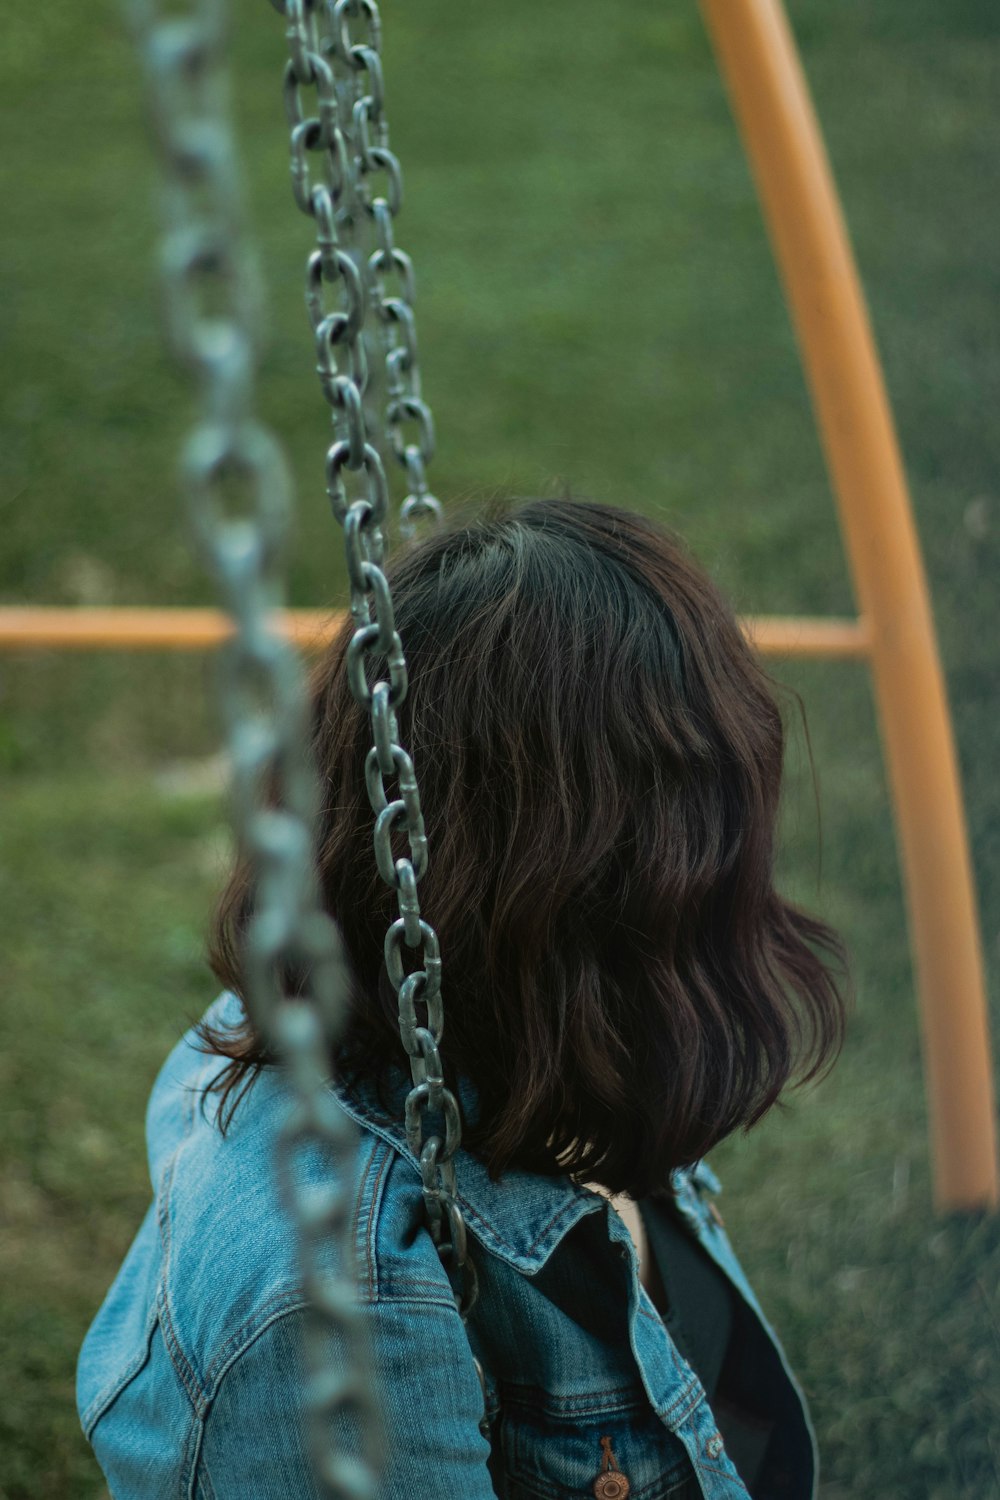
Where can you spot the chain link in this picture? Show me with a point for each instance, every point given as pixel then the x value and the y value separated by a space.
pixel 376 665
pixel 239 500
pixel 356 193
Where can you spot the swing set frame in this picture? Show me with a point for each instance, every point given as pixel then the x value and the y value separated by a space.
pixel 894 632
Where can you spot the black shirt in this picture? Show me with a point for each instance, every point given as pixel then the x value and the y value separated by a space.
pixel 700 1309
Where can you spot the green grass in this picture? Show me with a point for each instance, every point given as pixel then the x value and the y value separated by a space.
pixel 598 307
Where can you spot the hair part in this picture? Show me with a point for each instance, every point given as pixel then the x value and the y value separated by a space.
pixel 600 759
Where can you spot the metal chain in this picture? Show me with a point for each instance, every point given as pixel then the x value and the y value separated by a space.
pixel 239 500
pixel 346 74
pixel 349 124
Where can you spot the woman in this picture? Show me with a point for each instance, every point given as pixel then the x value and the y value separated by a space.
pixel 600 760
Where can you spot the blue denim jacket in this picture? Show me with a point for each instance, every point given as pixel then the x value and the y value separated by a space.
pixel 188 1380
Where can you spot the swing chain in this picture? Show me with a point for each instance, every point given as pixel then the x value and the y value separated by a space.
pixel 350 133
pixel 376 664
pixel 239 501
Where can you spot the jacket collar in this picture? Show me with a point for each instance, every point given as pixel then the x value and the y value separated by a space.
pixel 521 1218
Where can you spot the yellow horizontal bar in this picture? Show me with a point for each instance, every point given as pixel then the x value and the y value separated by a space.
pixel 807 635
pixel 28 628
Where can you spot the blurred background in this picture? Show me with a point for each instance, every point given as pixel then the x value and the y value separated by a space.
pixel 598 309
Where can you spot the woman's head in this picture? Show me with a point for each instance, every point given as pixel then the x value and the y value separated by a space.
pixel 599 756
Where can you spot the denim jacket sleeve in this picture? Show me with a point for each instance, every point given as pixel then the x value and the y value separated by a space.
pixel 159 1437
pixel 253 1441
pixel 189 1379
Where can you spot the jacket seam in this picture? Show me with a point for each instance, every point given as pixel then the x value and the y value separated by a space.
pixel 300 1304
pixel 287 1300
pixel 192 1457
pixel 186 1374
pixel 199 1473
pixel 112 1388
pixel 388 1299
pixel 404 1283
pixel 176 1355
pixel 99 1404
pixel 369 1227
pixel 204 1480
pixel 688 1398
pixel 725 1473
pixel 629 1399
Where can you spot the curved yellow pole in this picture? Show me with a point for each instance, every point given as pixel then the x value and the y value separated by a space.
pixel 770 98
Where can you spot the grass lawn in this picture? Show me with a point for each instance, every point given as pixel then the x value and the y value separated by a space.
pixel 598 308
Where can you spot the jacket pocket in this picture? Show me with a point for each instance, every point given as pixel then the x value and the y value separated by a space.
pixel 551 1453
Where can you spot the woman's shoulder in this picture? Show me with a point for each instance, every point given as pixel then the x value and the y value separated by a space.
pixel 228 1240
pixel 197 1347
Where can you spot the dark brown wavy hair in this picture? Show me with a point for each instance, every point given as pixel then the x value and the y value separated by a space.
pixel 600 760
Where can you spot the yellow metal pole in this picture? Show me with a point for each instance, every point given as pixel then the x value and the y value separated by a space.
pixel 25 627
pixel 770 98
